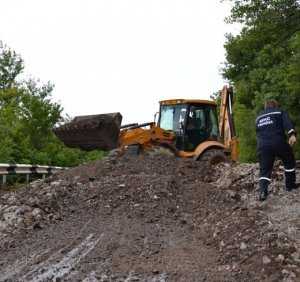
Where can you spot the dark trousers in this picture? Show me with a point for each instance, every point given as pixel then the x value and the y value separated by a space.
pixel 267 155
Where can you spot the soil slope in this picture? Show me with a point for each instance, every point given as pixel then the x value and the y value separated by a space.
pixel 150 218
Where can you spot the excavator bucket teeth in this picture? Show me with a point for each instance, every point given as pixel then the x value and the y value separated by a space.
pixel 91 132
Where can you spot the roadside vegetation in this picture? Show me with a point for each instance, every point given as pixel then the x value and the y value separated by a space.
pixel 27 116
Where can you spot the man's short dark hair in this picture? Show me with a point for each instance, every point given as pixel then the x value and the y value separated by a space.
pixel 272 103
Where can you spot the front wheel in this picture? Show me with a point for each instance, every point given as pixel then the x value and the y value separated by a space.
pixel 214 156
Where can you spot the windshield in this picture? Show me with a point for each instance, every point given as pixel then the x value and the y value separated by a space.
pixel 172 116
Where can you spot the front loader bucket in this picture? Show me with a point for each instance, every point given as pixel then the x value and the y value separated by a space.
pixel 91 132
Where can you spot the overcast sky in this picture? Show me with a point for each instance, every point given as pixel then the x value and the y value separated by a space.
pixel 119 55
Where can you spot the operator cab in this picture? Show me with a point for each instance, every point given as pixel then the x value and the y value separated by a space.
pixel 192 121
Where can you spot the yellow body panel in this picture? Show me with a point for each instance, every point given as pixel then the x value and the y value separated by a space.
pixel 154 136
pixel 200 149
pixel 146 137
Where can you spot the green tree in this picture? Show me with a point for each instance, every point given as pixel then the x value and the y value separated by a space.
pixel 27 116
pixel 263 62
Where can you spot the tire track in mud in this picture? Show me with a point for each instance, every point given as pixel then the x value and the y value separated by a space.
pixel 12 271
pixel 94 277
pixel 52 268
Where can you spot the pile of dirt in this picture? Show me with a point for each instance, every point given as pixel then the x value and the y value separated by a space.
pixel 150 218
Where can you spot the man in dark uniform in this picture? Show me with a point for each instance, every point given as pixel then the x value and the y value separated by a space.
pixel 271 128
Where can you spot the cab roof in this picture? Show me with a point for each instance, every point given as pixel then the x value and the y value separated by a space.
pixel 187 101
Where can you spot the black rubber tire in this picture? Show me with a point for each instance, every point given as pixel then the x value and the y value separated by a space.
pixel 214 156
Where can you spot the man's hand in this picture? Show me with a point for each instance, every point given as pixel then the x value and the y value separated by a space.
pixel 292 140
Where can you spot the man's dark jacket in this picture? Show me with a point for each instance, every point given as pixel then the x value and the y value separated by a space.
pixel 271 126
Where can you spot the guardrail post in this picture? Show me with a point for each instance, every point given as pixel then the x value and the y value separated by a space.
pixel 27 178
pixel 4 179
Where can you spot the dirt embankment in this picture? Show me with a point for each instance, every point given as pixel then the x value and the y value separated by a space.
pixel 150 218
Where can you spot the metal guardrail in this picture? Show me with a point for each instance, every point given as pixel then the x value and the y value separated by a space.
pixel 13 169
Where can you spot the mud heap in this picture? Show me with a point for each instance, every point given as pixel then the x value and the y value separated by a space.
pixel 150 218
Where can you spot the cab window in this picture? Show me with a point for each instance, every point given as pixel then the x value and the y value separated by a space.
pixel 172 117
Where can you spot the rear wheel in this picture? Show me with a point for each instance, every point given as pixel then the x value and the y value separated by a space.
pixel 214 156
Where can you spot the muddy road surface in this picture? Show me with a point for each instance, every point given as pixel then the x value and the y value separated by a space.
pixel 150 218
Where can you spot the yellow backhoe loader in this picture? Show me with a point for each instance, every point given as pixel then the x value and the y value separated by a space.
pixel 188 128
